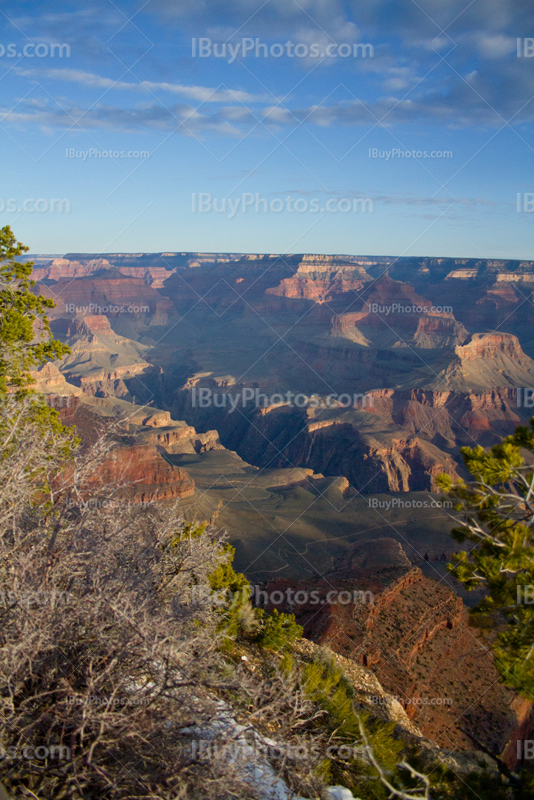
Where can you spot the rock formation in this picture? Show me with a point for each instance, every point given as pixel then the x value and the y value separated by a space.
pixel 443 348
pixel 413 634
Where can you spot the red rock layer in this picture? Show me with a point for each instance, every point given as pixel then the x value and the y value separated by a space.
pixel 138 470
pixel 109 296
pixel 414 634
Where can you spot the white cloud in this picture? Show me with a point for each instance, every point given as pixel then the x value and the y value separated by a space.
pixel 183 119
pixel 201 94
pixel 496 46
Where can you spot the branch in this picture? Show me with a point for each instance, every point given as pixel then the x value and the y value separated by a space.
pixel 382 775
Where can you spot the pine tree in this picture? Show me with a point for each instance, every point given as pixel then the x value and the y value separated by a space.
pixel 495 513
pixel 21 345
pixel 25 339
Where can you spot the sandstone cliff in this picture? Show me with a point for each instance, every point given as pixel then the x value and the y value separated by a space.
pixel 109 293
pixel 372 453
pixel 413 634
pixel 102 362
pixel 488 361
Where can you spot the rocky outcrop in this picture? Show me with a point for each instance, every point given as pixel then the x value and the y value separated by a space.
pixel 141 474
pixel 489 345
pixel 146 425
pixel 462 274
pixel 96 324
pixel 372 696
pixel 49 380
pixel 176 437
pixel 319 290
pixel 100 361
pixel 109 293
pixel 394 315
pixel 135 467
pixel 321 279
pixel 449 418
pixel 435 331
pixel 488 361
pixel 65 268
pixel 413 634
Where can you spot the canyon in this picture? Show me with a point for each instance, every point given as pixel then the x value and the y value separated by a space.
pixel 306 404
pixel 394 365
pixel 397 363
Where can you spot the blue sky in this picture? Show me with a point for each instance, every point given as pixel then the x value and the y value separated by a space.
pixel 268 133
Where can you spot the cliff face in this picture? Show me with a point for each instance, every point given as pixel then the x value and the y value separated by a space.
pixel 49 381
pixel 502 304
pixel 98 323
pixel 413 634
pixel 136 465
pixel 109 295
pixel 169 435
pixel 141 474
pixel 491 345
pixel 484 294
pixel 439 331
pixel 321 279
pixel 372 455
pixel 488 361
pixel 66 268
pixel 447 418
pixel 178 440
pixel 393 314
pixel 101 362
pixel 316 287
